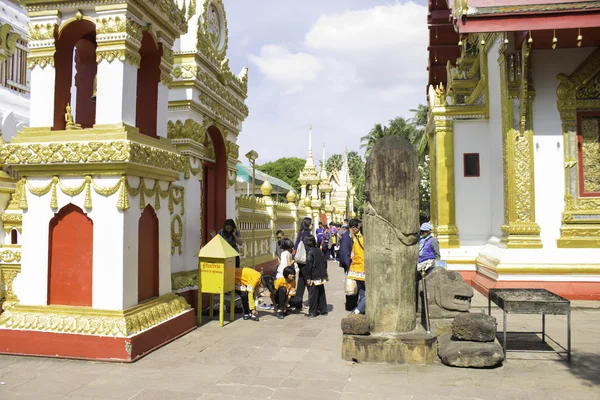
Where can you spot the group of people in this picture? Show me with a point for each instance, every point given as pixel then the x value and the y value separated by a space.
pixel 303 267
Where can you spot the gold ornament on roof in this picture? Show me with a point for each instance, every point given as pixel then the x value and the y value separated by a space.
pixel 266 188
pixel 291 196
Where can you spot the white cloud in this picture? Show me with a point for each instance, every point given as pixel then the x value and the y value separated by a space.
pixel 347 71
pixel 387 28
pixel 291 70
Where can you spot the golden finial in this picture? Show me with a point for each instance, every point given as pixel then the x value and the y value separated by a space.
pixel 554 40
pixel 266 188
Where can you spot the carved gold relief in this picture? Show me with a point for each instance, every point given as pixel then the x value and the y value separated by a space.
pixel 233 150
pixel 576 93
pixel 123 55
pixel 590 154
pixel 41 31
pixel 219 110
pixel 519 229
pixel 90 152
pixel 9 273
pixel 176 234
pixel 9 256
pixel 186 130
pixel 186 279
pixel 89 321
pixel 223 93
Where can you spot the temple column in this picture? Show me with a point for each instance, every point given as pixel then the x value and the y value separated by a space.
pixel 41 63
pixel 118 63
pixel 519 229
pixel 445 224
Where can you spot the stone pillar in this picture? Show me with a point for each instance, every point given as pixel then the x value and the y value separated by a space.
pixel 445 229
pixel 118 63
pixel 391 232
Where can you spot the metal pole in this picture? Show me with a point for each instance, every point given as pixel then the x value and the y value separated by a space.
pixel 253 209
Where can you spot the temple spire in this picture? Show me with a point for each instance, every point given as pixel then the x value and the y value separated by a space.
pixel 310 141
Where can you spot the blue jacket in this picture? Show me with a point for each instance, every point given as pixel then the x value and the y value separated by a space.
pixel 345 249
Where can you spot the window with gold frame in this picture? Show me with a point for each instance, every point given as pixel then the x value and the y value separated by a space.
pixel 588 148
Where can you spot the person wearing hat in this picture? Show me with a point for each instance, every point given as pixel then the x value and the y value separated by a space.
pixel 429 249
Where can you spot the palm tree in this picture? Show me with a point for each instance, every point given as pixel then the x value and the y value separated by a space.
pixel 368 142
pixel 419 121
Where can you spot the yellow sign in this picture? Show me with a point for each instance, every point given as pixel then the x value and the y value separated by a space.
pixel 216 275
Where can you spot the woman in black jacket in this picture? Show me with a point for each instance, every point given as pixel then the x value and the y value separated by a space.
pixel 315 273
pixel 305 230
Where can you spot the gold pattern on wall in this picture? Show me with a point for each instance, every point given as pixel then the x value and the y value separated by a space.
pixel 189 170
pixel 581 214
pixel 41 31
pixel 223 93
pixel 8 41
pixel 176 234
pixel 590 154
pixel 9 273
pixel 186 130
pixel 90 152
pixel 134 58
pixel 186 279
pixel 214 50
pixel 220 111
pixel 9 256
pixel 89 321
pixel 186 71
pixel 119 24
pixel 233 150
pixel 175 193
pixel 40 59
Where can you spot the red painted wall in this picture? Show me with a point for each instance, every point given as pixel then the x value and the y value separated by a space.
pixel 148 255
pixel 70 258
pixel 86 69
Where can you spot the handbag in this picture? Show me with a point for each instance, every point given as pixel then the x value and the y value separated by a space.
pixel 350 288
pixel 300 256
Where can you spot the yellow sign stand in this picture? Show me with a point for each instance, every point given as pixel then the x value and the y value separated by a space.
pixel 216 275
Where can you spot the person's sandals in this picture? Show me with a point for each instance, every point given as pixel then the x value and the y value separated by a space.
pixel 279 314
pixel 246 317
pixel 254 318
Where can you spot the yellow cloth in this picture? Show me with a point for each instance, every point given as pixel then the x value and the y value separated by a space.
pixel 357 267
pixel 247 280
pixel 290 287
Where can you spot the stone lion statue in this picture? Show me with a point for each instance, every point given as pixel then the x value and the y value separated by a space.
pixel 448 293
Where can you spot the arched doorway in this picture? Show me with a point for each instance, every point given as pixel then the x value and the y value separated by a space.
pixel 214 178
pixel 70 258
pixel 76 43
pixel 148 79
pixel 148 255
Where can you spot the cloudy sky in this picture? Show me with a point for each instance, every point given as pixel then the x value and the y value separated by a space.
pixel 342 65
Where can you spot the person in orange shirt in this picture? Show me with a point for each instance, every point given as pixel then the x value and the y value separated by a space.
pixel 285 288
pixel 247 281
pixel 357 267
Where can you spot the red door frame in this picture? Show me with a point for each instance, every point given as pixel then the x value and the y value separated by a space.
pixel 214 188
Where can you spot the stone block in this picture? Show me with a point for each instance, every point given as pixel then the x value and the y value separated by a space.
pixel 402 348
pixel 459 353
pixel 355 324
pixel 477 327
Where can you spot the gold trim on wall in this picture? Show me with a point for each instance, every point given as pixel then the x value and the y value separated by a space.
pixel 581 215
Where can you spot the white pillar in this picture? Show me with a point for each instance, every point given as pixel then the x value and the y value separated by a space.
pixel 42 96
pixel 73 100
pixel 162 110
pixel 116 93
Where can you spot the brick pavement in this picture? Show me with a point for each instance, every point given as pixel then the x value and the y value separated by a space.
pixel 299 358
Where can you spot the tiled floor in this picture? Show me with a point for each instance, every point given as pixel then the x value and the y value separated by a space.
pixel 299 358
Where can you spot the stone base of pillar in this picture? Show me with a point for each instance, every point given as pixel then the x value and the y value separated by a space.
pixel 92 347
pixel 415 347
pixel 94 334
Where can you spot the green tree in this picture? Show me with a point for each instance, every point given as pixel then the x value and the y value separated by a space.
pixel 334 163
pixel 356 165
pixel 419 121
pixel 286 169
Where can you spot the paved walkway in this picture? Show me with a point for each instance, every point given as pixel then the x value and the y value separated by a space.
pixel 299 358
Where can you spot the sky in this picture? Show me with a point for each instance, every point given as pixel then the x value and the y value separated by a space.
pixel 340 65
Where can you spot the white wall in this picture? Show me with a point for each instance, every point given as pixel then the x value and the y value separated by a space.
pixel 472 194
pixel 548 140
pixel 496 176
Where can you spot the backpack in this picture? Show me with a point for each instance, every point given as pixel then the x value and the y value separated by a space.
pixel 300 256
